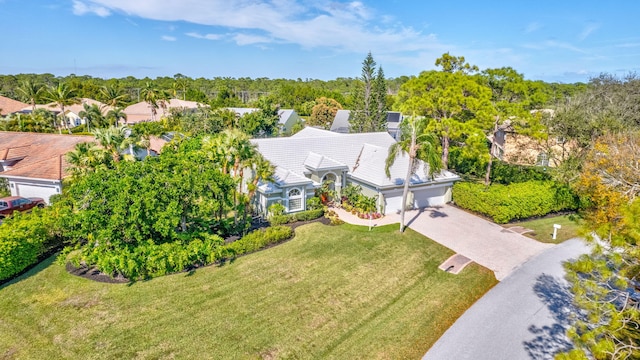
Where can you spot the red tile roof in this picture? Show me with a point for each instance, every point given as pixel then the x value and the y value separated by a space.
pixel 9 106
pixel 42 154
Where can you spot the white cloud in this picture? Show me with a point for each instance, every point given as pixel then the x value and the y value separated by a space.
pixel 342 26
pixel 168 38
pixel 588 30
pixel 244 39
pixel 81 8
pixel 205 36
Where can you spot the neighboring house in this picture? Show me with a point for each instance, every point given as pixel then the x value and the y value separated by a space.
pixel 33 163
pixel 341 123
pixel 141 112
pixel 10 106
pixel 287 117
pixel 520 149
pixel 312 156
pixel 72 112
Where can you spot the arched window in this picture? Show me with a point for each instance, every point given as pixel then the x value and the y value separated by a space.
pixel 295 199
pixel 330 179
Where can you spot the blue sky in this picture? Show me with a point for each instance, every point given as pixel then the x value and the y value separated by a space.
pixel 556 41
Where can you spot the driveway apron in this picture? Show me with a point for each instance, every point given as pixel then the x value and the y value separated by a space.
pixel 523 317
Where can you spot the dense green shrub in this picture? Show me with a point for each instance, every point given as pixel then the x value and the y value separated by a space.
pixel 299 216
pixel 148 259
pixel 258 239
pixel 504 203
pixel 467 164
pixel 504 173
pixel 24 238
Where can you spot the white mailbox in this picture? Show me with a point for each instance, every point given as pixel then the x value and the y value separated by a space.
pixel 555 230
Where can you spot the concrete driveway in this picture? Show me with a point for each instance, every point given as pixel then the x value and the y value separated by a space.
pixel 484 242
pixel 523 317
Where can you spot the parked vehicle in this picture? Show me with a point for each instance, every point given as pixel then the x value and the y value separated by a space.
pixel 8 205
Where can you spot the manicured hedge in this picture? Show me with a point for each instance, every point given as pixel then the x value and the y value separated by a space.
pixel 505 173
pixel 23 239
pixel 258 239
pixel 299 216
pixel 504 203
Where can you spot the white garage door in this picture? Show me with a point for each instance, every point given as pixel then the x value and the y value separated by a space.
pixel 392 204
pixel 41 191
pixel 429 197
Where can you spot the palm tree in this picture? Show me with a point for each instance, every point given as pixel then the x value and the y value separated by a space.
pixel 116 114
pixel 112 139
pixel 91 113
pixel 418 144
pixel 86 158
pixel 262 170
pixel 31 92
pixel 62 95
pixel 112 96
pixel 155 97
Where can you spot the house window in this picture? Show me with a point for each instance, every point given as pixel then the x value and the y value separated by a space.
pixel 543 159
pixel 295 200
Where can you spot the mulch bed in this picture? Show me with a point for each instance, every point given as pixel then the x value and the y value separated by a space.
pixel 94 274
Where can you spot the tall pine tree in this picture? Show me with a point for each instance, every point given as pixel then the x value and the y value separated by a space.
pixel 369 111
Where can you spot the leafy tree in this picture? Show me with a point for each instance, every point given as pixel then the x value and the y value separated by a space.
pixel 511 110
pixel 451 64
pixel 323 112
pixel 262 123
pixel 605 282
pixel 419 144
pixel 369 112
pixel 455 103
pixel 144 131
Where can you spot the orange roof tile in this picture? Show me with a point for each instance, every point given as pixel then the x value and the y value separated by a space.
pixel 43 154
pixel 9 106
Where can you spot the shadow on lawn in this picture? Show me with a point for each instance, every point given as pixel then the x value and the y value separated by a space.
pixel 551 339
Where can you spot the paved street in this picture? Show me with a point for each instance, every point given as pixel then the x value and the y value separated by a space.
pixel 523 317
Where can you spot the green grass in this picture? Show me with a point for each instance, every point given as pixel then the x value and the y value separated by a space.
pixel 331 292
pixel 543 228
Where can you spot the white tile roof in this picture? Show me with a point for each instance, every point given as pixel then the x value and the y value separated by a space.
pixel 364 154
pixel 316 161
pixel 310 131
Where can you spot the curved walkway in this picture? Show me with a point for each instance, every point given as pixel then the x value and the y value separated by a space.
pixel 523 317
pixel 484 242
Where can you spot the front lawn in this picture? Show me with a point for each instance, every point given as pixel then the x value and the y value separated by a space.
pixel 331 292
pixel 543 228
